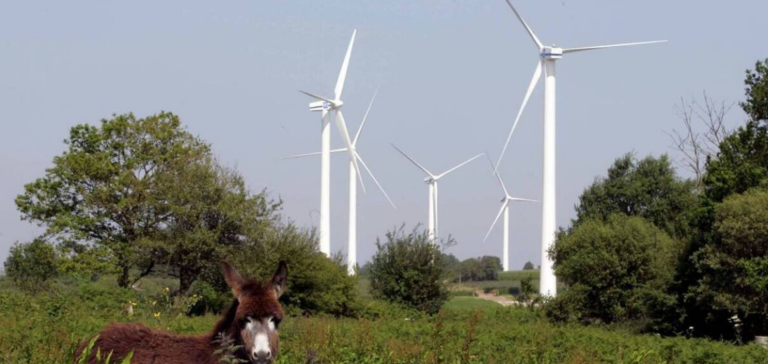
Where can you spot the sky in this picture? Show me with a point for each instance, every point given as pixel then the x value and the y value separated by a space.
pixel 451 73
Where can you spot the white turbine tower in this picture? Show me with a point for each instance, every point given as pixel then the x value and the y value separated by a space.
pixel 505 202
pixel 432 180
pixel 352 242
pixel 326 105
pixel 548 56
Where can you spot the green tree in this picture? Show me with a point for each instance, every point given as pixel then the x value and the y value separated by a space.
pixel 408 269
pixel 648 188
pixel 741 163
pixel 756 105
pixel 317 284
pixel 31 265
pixel 734 266
pixel 616 270
pixel 108 197
pixel 528 266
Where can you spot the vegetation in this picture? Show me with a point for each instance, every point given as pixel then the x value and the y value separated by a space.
pixel 407 269
pixel 31 265
pixel 528 265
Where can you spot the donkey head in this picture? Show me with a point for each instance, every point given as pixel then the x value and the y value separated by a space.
pixel 258 314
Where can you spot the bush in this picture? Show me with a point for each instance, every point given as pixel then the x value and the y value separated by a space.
pixel 408 270
pixel 616 270
pixel 316 284
pixel 31 265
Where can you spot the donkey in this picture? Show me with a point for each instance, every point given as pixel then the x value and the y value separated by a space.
pixel 252 321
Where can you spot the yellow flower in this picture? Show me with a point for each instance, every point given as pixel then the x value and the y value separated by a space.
pixel 166 289
pixel 156 314
pixel 154 303
pixel 132 303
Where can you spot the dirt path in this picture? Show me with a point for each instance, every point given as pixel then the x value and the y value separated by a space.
pixel 498 299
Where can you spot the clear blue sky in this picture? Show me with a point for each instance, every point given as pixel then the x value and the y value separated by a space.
pixel 452 75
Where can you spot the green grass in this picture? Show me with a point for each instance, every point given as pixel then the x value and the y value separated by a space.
pixel 46 329
pixel 468 304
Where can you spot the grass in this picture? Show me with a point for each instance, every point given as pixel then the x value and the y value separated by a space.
pixel 46 328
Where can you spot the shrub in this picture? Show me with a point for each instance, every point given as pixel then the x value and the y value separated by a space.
pixel 407 269
pixel 31 265
pixel 616 270
pixel 317 284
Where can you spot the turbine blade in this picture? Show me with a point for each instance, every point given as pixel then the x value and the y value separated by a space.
pixel 359 158
pixel 582 49
pixel 521 199
pixel 342 126
pixel 501 210
pixel 357 136
pixel 311 154
pixel 344 67
pixel 536 40
pixel 413 161
pixel 459 166
pixel 317 97
pixel 498 176
pixel 531 87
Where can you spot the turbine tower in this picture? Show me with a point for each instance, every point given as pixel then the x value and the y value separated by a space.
pixel 432 180
pixel 548 56
pixel 325 106
pixel 352 242
pixel 505 202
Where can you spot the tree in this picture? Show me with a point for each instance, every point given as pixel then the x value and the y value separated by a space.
pixel 317 284
pixel 616 270
pixel 695 145
pixel 135 192
pixel 528 266
pixel 31 265
pixel 648 188
pixel 741 164
pixel 756 105
pixel 734 266
pixel 408 269
pixel 211 215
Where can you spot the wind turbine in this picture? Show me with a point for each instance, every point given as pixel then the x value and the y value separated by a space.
pixel 432 180
pixel 325 106
pixel 352 247
pixel 505 202
pixel 548 56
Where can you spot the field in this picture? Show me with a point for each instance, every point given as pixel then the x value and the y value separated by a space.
pixel 46 328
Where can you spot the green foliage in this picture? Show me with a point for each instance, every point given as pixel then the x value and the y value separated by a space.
pixel 316 284
pixel 408 269
pixel 485 268
pixel 647 188
pixel 31 265
pixel 528 266
pixel 756 105
pixel 734 266
pixel 616 270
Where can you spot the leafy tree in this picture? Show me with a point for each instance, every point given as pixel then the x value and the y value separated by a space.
pixel 616 270
pixel 734 266
pixel 756 105
pixel 408 269
pixel 104 190
pixel 741 164
pixel 648 188
pixel 318 284
pixel 31 265
pixel 211 214
pixel 528 266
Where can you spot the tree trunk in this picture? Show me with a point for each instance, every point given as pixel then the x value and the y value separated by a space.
pixel 124 280
pixel 186 278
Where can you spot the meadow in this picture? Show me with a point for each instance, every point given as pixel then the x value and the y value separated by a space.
pixel 47 327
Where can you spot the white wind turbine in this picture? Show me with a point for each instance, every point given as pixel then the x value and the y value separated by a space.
pixel 548 56
pixel 432 180
pixel 352 242
pixel 326 105
pixel 505 202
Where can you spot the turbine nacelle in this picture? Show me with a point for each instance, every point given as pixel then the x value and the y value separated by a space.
pixel 325 105
pixel 551 53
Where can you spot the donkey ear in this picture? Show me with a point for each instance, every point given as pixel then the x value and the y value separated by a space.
pixel 279 279
pixel 233 277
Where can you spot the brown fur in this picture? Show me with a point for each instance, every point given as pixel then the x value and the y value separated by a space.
pixel 254 300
